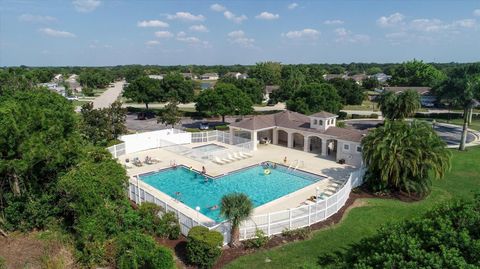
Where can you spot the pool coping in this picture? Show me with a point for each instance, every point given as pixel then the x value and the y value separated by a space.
pixel 320 178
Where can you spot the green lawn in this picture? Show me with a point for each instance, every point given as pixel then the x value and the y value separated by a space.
pixel 475 125
pixel 366 105
pixel 364 221
pixel 79 102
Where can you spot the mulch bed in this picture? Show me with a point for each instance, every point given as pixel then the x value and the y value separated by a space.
pixel 230 254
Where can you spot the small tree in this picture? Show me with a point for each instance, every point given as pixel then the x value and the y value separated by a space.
pixel 236 207
pixel 315 97
pixel 170 114
pixel 403 156
pixel 143 90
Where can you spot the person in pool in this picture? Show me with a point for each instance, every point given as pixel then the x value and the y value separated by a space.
pixel 204 171
pixel 215 207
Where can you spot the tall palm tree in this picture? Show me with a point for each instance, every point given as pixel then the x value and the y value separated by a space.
pixel 236 207
pixel 399 106
pixel 403 156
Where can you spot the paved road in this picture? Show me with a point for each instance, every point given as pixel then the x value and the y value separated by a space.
pixel 109 96
pixel 451 134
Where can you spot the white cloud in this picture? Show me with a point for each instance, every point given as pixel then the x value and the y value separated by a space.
pixel 333 22
pixel 346 36
pixel 198 28
pixel 236 19
pixel 292 6
pixel 86 5
pixel 152 23
pixel 466 23
pixel 56 33
pixel 152 43
pixel 36 18
pixel 163 34
pixel 239 37
pixel 306 33
pixel 427 25
pixel 185 16
pixel 191 40
pixel 267 16
pixel 476 12
pixel 392 20
pixel 218 8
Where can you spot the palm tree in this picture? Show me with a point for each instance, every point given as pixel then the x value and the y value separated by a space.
pixel 236 207
pixel 399 106
pixel 403 156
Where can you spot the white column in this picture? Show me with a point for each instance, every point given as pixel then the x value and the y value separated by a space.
pixel 324 147
pixel 275 137
pixel 231 136
pixel 254 139
pixel 290 140
pixel 306 144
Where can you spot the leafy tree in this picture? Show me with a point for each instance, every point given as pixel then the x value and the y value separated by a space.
pixel 174 86
pixel 170 114
pixel 225 99
pixel 374 70
pixel 315 97
pixel 462 87
pixel 350 92
pixel 416 73
pixel 95 78
pixel 267 72
pixel 402 156
pixel 143 90
pixel 101 126
pixel 251 86
pixel 236 207
pixel 445 237
pixel 314 74
pixel 399 106
pixel 293 79
pixel 370 83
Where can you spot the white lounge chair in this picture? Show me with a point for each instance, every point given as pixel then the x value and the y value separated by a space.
pixel 226 160
pixel 230 157
pixel 246 154
pixel 218 161
pixel 237 155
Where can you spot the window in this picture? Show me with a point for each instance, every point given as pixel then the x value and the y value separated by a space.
pixel 359 149
pixel 346 147
pixel 320 122
pixel 315 122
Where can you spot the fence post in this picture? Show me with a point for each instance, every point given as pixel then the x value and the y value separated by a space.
pixel 268 227
pixel 290 219
pixel 309 214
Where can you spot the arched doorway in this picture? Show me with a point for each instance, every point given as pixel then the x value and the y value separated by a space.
pixel 282 138
pixel 315 144
pixel 298 141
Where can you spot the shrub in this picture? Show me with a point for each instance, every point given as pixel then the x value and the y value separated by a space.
pixel 297 234
pixel 341 124
pixel 203 246
pixel 192 130
pixel 259 241
pixel 222 127
pixel 342 115
pixel 136 250
pixel 445 237
pixel 2 263
pixel 165 226
pixel 374 116
pixel 88 91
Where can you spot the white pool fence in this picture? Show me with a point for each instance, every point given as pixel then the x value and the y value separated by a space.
pixel 271 224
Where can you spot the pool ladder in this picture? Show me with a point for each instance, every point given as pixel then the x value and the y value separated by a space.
pixel 297 165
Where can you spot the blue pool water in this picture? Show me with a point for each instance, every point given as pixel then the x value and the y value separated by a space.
pixel 260 188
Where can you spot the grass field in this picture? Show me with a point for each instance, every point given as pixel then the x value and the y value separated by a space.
pixel 460 182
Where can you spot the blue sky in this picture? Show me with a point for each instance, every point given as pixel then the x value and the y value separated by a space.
pixel 114 32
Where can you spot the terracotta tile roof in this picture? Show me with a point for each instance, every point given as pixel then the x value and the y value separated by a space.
pixel 323 114
pixel 420 90
pixel 296 121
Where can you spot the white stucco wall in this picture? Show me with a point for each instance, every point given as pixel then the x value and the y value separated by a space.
pixel 351 156
pixel 155 139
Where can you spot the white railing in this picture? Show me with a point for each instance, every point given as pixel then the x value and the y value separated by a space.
pixel 140 192
pixel 294 218
pixel 117 150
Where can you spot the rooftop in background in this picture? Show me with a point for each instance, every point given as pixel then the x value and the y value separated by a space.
pixel 420 90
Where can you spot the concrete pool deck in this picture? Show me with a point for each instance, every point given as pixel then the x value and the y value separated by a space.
pixel 310 162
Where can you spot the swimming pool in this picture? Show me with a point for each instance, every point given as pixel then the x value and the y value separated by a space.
pixel 196 191
pixel 209 148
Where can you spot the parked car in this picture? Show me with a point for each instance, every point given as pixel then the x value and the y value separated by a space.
pixel 204 126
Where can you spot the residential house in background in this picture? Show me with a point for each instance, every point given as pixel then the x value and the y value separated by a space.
pixel 236 75
pixel 159 77
pixel 189 76
pixel 54 87
pixel 268 90
pixel 58 78
pixel 73 84
pixel 209 76
pixel 381 77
